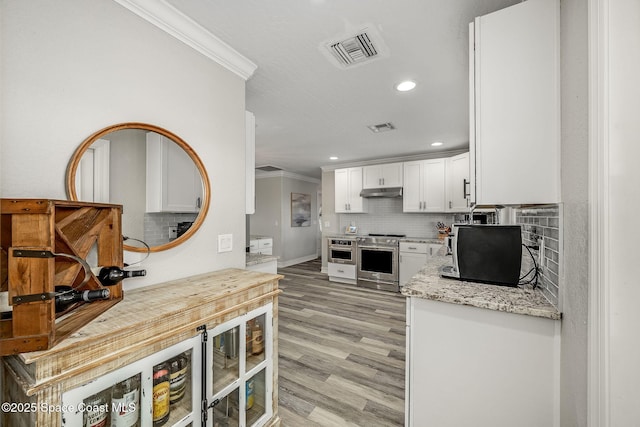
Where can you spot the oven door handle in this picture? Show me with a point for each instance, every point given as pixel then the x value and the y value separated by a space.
pixel 389 248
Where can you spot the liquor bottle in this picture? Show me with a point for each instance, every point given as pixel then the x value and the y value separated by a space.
pixel 96 412
pixel 257 346
pixel 66 296
pixel 125 403
pixel 109 276
pixel 161 394
pixel 178 378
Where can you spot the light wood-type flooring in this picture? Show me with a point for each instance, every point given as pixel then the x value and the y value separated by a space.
pixel 342 352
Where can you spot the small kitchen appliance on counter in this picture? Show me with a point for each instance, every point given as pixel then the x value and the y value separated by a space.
pixel 485 253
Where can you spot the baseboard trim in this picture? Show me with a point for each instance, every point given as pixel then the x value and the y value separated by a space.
pixel 295 261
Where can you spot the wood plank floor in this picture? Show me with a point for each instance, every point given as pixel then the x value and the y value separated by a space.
pixel 342 352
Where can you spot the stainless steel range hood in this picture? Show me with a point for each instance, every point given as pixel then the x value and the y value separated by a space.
pixel 382 192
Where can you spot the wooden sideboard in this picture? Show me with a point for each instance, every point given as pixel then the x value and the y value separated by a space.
pixel 144 323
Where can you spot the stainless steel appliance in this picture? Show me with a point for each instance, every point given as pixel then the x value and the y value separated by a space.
pixel 485 253
pixel 378 261
pixel 342 250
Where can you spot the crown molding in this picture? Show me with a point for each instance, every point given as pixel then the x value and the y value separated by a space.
pixel 423 156
pixel 177 24
pixel 284 174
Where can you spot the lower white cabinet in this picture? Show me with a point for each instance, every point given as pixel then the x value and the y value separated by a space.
pixel 475 367
pixel 413 256
pixel 344 273
pixel 166 388
pixel 160 389
pixel 261 245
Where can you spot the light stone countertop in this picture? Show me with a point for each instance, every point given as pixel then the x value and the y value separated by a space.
pixel 428 284
pixel 255 259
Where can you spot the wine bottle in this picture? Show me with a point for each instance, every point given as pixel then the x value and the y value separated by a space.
pixel 66 296
pixel 125 403
pixel 109 276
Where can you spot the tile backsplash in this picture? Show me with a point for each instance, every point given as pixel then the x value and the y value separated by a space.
pixel 542 227
pixel 386 216
pixel 157 225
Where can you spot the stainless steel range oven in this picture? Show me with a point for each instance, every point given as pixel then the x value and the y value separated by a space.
pixel 378 261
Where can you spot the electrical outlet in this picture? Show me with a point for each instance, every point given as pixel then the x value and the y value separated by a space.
pixel 541 255
pixel 173 232
pixel 225 242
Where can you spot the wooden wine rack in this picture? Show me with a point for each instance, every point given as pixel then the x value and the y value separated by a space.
pixel 32 231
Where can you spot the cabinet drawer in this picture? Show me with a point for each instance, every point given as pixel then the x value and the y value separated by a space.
pixel 418 248
pixel 265 243
pixel 346 271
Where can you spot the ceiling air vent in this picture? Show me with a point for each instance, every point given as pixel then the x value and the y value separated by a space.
pixel 353 49
pixel 383 127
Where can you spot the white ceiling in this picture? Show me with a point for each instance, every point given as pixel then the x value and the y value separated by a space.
pixel 307 108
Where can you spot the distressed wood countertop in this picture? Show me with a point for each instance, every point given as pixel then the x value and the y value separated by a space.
pixel 428 284
pixel 146 320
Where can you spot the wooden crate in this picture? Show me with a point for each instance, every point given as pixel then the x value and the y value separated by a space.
pixel 50 227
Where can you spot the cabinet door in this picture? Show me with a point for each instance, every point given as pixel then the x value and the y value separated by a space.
pixel 356 203
pixel 517 101
pixel 173 181
pixel 410 264
pixel 382 176
pixel 412 191
pixel 165 385
pixel 342 190
pixel 240 370
pixel 458 185
pixel 434 186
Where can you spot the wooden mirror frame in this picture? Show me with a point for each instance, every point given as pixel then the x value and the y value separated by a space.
pixel 206 189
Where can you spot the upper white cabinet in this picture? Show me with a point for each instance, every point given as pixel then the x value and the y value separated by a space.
pixel 382 176
pixel 515 104
pixel 173 181
pixel 250 161
pixel 458 185
pixel 424 186
pixel 348 185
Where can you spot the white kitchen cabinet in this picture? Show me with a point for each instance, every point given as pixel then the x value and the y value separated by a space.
pixel 261 245
pixel 343 273
pixel 424 186
pixel 470 366
pixel 515 105
pixel 458 184
pixel 240 370
pixel 382 176
pixel 250 162
pixel 348 185
pixel 413 256
pixel 99 400
pixel 173 182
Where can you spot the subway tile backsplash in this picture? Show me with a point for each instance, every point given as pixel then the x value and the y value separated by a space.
pixel 386 216
pixel 542 227
pixel 158 225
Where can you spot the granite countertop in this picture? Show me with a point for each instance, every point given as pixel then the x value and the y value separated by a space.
pixel 255 259
pixel 431 240
pixel 428 284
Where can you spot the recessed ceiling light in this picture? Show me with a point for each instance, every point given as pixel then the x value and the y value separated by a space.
pixel 405 86
pixel 436 144
pixel 333 158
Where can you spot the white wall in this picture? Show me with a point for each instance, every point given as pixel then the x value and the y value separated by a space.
pixel 623 176
pixel 573 296
pixel 73 67
pixel 273 216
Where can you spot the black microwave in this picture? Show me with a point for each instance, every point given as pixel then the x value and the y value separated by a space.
pixel 486 253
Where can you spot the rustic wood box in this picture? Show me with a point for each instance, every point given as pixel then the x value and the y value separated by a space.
pixel 32 231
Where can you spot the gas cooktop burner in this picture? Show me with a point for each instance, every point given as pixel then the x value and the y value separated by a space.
pixel 387 235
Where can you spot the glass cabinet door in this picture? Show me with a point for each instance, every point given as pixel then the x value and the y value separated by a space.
pixel 162 389
pixel 240 377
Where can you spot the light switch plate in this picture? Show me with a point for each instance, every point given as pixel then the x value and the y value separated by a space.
pixel 225 242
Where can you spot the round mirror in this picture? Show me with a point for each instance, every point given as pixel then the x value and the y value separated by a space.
pixel 156 176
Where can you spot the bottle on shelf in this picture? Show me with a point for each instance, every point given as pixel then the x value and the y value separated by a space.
pixel 97 409
pixel 257 344
pixel 178 378
pixel 125 403
pixel 109 276
pixel 161 394
pixel 66 296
